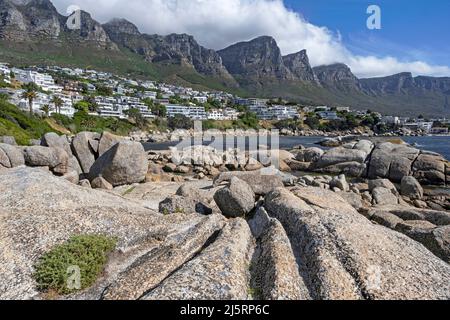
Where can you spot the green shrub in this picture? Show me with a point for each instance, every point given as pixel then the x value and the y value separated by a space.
pixel 88 252
pixel 21 125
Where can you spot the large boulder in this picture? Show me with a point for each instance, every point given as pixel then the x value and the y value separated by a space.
pixel 107 141
pixel 382 183
pixel 353 199
pixel 388 156
pixel 392 161
pixel 383 196
pixel 438 218
pixel 83 151
pixel 342 255
pixel 53 140
pixel 12 156
pixel 411 188
pixel 309 155
pixel 191 190
pixel 364 145
pixel 4 160
pixel 125 163
pixel 260 182
pixel 429 169
pixel 437 240
pixel 353 169
pixel 8 140
pixel 235 200
pixel 341 155
pixel 56 159
pixel 341 183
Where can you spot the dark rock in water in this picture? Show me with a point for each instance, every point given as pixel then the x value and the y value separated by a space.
pixel 125 163
pixel 330 143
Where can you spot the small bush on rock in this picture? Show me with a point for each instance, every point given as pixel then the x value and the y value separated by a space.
pixel 89 253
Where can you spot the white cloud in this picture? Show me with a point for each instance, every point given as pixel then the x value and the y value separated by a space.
pixel 219 23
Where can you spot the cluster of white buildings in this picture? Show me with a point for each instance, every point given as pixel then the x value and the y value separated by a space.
pixel 130 94
pixel 117 106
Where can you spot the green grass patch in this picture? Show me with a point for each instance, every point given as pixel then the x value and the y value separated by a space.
pixel 20 124
pixel 128 191
pixel 89 253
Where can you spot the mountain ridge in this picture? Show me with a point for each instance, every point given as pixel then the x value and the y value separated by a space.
pixel 252 68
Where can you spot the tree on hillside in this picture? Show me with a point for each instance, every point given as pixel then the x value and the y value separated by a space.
pixel 249 119
pixel 58 102
pixel 4 97
pixel 46 109
pixel 312 122
pixel 159 110
pixel 148 102
pixel 82 106
pixel 30 94
pixel 180 121
pixel 104 91
pixel 136 116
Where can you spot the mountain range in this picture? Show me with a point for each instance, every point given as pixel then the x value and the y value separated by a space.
pixel 33 32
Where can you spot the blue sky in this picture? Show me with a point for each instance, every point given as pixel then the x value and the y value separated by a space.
pixel 414 35
pixel 411 30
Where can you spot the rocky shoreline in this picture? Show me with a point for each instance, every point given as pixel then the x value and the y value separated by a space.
pixel 180 134
pixel 360 221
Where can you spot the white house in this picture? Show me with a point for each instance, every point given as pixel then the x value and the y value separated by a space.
pixel 201 99
pixel 43 80
pixel 216 115
pixel 390 120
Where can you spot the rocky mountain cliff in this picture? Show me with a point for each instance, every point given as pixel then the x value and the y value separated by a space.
pixel 337 76
pixel 405 83
pixel 258 59
pixel 252 68
pixel 178 49
pixel 298 64
pixel 25 20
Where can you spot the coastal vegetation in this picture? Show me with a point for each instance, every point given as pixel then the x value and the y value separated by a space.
pixel 84 253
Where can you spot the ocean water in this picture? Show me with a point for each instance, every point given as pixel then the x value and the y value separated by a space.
pixel 439 144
